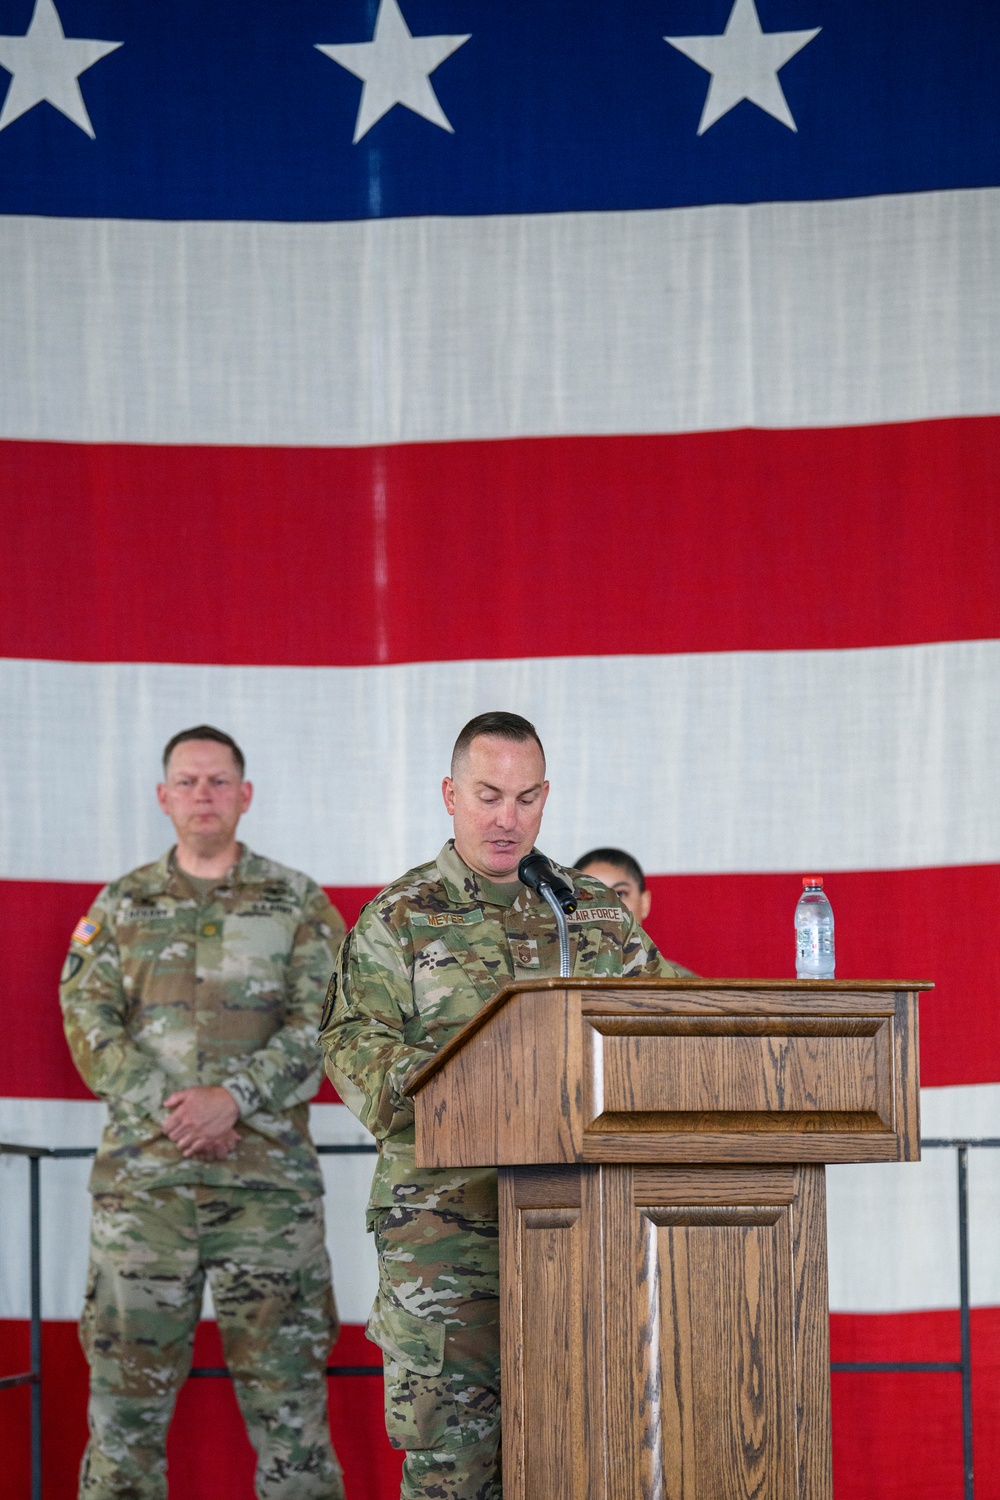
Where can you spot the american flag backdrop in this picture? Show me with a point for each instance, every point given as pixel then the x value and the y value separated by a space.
pixel 636 367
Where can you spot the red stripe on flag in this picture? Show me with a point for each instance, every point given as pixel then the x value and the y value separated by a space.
pixel 891 924
pixel 899 1436
pixel 752 540
pixel 905 924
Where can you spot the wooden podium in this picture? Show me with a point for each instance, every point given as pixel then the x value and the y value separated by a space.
pixel 661 1146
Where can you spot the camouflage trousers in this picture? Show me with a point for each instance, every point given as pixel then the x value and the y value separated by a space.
pixel 436 1320
pixel 266 1262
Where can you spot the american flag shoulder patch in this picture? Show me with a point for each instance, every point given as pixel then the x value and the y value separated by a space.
pixel 85 931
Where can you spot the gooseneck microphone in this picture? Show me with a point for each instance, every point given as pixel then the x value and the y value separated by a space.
pixel 535 870
pixel 541 876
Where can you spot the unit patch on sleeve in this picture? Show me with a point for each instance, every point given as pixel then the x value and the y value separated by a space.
pixel 85 932
pixel 71 968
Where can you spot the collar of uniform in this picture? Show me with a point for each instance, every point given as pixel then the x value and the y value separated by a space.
pixel 249 869
pixel 458 880
pixel 463 885
pixel 168 877
pixel 162 874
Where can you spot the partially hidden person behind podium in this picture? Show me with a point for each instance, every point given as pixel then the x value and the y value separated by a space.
pixel 425 956
pixel 192 995
pixel 622 873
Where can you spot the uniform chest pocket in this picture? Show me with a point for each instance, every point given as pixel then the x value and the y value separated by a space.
pixel 256 938
pixel 449 961
pixel 486 963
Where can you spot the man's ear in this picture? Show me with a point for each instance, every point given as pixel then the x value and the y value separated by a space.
pixel 448 793
pixel 645 903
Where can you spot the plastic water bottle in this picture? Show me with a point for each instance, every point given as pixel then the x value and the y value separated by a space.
pixel 813 931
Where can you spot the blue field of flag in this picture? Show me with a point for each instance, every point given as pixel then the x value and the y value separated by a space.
pixel 232 111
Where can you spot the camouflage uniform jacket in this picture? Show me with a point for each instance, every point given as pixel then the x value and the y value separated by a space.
pixel 425 955
pixel 161 992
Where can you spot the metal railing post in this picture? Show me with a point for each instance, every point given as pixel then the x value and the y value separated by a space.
pixel 965 1317
pixel 35 1354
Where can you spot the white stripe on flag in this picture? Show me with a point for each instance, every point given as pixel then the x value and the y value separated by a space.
pixel 893 1230
pixel 730 762
pixel 815 314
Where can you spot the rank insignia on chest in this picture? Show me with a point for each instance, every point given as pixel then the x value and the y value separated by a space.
pixel 445 918
pixel 85 932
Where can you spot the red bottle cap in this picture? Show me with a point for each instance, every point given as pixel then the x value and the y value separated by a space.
pixel 814 882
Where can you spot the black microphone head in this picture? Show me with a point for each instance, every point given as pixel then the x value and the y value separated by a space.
pixel 535 870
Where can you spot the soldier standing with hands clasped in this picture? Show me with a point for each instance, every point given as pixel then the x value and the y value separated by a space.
pixel 191 995
pixel 425 956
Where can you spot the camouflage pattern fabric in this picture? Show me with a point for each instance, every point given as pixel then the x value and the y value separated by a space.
pixel 161 991
pixel 440 1336
pixel 265 1258
pixel 425 956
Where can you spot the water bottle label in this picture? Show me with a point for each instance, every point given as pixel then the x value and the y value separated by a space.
pixel 809 946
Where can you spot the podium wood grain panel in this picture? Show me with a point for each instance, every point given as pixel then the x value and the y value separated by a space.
pixel 727 1338
pixel 547 1422
pixel 748 1138
pixel 552 1252
pixel 754 1074
pixel 906 1069
pixel 487 1109
pixel 663 1274
pixel 812 1333
pixel 666 1071
pixel 692 1186
pixel 761 997
pixel 671 1334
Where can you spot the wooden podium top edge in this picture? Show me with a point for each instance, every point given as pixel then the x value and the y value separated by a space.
pixel 815 987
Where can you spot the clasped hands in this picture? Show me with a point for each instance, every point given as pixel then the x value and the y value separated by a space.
pixel 201 1120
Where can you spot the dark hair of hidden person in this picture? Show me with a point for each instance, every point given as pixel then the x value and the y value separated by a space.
pixel 204 732
pixel 619 858
pixel 502 726
pixel 623 873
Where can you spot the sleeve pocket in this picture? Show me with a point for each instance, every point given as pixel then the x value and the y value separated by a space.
pixel 415 1343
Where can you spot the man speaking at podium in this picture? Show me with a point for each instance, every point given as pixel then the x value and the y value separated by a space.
pixel 425 956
